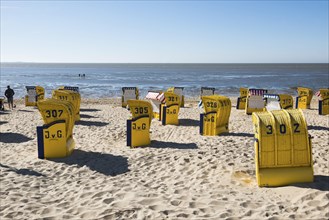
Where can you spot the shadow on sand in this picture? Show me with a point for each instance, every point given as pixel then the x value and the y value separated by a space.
pixel 87 116
pixel 89 110
pixel 13 138
pixel 189 122
pixel 319 128
pixel 3 122
pixel 24 172
pixel 23 110
pixel 238 134
pixel 162 144
pixel 106 164
pixel 320 182
pixel 92 123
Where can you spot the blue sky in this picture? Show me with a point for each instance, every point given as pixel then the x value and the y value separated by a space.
pixel 164 32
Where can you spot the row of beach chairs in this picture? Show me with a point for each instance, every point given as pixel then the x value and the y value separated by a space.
pixel 283 150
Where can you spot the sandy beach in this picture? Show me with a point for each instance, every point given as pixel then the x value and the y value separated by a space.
pixel 181 175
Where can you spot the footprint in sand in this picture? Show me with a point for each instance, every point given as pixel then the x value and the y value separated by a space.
pixel 243 177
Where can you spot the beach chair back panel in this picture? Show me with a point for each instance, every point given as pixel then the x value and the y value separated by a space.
pixel 206 91
pixel 55 137
pixel 52 140
pixel 264 129
pixel 179 92
pixel 223 113
pixel 303 101
pixel 282 148
pixel 323 95
pixel 283 138
pixel 241 102
pixel 53 110
pixel 138 127
pixel 301 142
pixel 34 94
pixel 70 96
pixel 140 108
pixel 216 117
pixel 129 93
pixel 169 111
pixel 255 102
pixel 31 93
pixel 286 101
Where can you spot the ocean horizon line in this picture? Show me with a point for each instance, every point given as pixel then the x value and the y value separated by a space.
pixel 28 62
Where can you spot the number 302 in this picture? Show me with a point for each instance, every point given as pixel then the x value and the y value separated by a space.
pixel 282 129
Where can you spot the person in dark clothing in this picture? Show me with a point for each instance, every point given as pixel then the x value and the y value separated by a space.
pixel 9 93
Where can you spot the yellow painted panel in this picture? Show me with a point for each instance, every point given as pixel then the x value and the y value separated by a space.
pixel 140 108
pixel 286 101
pixel 304 98
pixel 53 110
pixel 217 113
pixel 283 152
pixel 140 132
pixel 70 96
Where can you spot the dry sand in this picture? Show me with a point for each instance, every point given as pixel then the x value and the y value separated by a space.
pixel 181 175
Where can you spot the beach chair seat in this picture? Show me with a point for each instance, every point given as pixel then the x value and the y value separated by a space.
pixel 323 95
pixel 278 101
pixel 283 151
pixel 70 96
pixel 241 102
pixel 215 119
pixel 156 98
pixel 129 93
pixel 170 109
pixel 255 102
pixel 34 94
pixel 138 127
pixel 55 137
pixel 179 92
pixel 304 98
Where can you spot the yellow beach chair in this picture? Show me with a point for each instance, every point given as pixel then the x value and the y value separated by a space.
pixel 305 95
pixel 170 109
pixel 34 94
pixel 215 120
pixel 70 96
pixel 55 137
pixel 323 95
pixel 241 102
pixel 283 150
pixel 255 102
pixel 129 93
pixel 138 127
pixel 179 92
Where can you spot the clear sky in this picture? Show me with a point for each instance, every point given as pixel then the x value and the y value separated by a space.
pixel 164 32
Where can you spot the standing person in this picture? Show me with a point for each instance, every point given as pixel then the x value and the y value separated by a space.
pixel 9 93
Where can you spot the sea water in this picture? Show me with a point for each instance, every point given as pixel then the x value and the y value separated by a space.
pixel 106 80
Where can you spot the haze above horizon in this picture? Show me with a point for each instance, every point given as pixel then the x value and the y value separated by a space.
pixel 164 32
